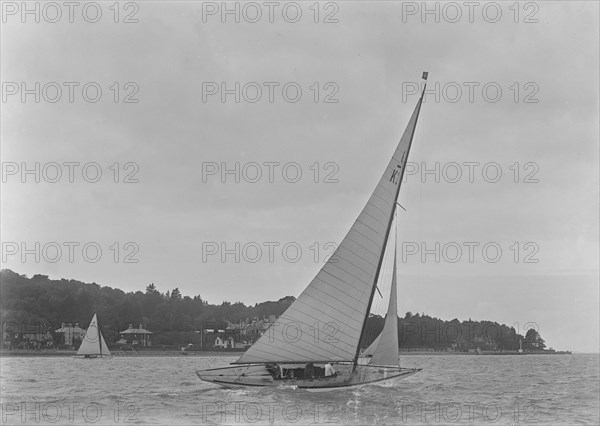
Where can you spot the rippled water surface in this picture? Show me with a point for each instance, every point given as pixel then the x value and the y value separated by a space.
pixel 531 389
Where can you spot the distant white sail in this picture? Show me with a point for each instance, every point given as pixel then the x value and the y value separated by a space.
pixel 93 342
pixel 325 322
pixel 385 348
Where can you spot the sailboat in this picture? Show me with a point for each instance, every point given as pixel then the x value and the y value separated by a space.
pixel 93 344
pixel 315 343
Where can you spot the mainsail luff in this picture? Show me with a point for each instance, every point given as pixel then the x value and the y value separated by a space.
pixel 99 339
pixel 326 321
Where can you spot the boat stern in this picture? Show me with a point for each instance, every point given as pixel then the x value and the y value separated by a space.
pixel 247 375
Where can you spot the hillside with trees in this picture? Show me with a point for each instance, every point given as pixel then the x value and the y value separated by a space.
pixel 175 319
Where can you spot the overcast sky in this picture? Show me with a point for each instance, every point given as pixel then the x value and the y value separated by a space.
pixel 532 116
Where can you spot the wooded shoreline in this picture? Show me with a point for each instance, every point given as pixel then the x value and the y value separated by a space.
pixel 224 353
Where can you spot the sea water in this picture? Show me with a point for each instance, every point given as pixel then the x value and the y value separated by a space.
pixel 451 389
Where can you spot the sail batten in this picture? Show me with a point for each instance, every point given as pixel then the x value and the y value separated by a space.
pixel 341 266
pixel 355 295
pixel 314 313
pixel 360 262
pixel 327 320
pixel 337 279
pixel 347 316
pixel 363 235
pixel 357 241
pixel 330 296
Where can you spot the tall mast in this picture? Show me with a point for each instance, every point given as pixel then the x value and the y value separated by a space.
pixel 390 220
pixel 99 337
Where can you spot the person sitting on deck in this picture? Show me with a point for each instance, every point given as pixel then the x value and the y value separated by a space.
pixel 309 371
pixel 275 370
pixel 329 370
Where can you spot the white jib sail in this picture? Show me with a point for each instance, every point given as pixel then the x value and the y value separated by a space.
pixel 385 348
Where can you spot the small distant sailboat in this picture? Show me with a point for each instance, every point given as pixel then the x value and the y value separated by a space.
pixel 93 345
pixel 326 323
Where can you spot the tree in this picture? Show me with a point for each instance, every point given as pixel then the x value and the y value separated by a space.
pixel 176 294
pixel 151 289
pixel 173 318
pixel 533 340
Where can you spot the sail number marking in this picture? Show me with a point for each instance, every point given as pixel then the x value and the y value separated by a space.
pixel 395 178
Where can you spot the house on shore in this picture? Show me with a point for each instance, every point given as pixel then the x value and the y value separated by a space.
pixel 73 334
pixel 26 335
pixel 241 334
pixel 227 343
pixel 135 336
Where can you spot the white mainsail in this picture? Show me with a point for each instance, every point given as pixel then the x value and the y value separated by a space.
pixel 326 321
pixel 385 348
pixel 93 342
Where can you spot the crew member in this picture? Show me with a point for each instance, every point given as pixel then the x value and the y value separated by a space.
pixel 329 370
